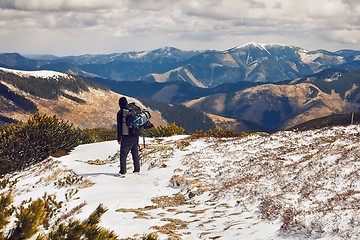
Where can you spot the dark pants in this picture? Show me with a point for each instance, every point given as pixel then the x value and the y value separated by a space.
pixel 129 143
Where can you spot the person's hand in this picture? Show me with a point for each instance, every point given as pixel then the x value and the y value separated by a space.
pixel 119 141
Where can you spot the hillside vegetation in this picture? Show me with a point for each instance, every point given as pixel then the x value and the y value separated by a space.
pixel 24 144
pixel 40 86
pixel 191 120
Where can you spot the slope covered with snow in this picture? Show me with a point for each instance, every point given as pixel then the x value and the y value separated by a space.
pixel 37 74
pixel 288 185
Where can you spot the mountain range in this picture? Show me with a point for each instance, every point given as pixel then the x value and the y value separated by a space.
pixel 263 86
pixel 250 62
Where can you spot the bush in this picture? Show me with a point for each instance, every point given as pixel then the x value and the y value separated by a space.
pixel 22 144
pixel 101 135
pixel 167 131
pixel 218 132
pixel 33 215
pixel 5 211
pixel 222 133
pixel 87 229
pixel 29 220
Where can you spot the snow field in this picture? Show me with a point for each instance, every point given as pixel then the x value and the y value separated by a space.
pixel 288 185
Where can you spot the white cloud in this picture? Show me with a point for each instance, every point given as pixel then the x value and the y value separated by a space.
pixel 345 36
pixel 193 21
pixel 58 5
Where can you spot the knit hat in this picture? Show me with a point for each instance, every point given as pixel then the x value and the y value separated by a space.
pixel 123 102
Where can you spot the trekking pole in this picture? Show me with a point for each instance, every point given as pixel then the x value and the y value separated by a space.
pixel 352 117
pixel 141 157
pixel 144 141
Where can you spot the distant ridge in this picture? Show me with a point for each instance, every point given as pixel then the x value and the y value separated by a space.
pixel 69 97
pixel 254 62
pixel 263 86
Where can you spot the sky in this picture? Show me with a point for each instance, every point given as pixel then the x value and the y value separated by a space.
pixel 76 27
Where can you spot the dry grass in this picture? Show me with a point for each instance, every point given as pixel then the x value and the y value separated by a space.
pixel 308 180
pixel 140 213
pixel 64 217
pixel 169 201
pixel 182 144
pixel 171 227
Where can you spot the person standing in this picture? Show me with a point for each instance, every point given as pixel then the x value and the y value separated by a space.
pixel 127 141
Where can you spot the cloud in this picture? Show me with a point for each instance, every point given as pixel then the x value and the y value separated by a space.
pixel 58 5
pixel 345 36
pixel 176 21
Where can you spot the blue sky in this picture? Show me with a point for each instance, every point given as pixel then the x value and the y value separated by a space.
pixel 75 27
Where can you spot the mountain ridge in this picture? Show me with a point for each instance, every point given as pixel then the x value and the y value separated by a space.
pixel 205 79
pixel 70 97
pixel 249 62
pixel 81 101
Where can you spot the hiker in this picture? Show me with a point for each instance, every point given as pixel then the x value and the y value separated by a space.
pixel 127 141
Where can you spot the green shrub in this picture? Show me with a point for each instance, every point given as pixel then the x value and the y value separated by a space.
pixel 29 220
pixel 22 144
pixel 167 131
pixel 87 229
pixel 33 215
pixel 101 134
pixel 218 132
pixel 222 133
pixel 6 211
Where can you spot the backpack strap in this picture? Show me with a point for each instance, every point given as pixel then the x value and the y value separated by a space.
pixel 125 127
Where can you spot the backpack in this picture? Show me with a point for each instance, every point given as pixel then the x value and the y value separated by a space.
pixel 136 119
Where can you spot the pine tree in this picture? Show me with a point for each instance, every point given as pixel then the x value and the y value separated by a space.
pixel 23 144
pixel 28 220
pixel 87 229
pixel 6 211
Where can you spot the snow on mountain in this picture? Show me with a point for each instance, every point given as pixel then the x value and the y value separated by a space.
pixel 261 46
pixel 141 54
pixel 308 57
pixel 37 74
pixel 335 77
pixel 288 185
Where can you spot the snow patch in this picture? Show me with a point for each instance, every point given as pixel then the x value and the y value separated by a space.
pixel 37 74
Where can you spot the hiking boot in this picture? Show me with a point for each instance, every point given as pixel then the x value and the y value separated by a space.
pixel 120 175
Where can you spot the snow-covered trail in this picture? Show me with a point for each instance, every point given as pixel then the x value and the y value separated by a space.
pixel 288 185
pixel 132 192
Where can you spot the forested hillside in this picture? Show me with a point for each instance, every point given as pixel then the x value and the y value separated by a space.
pixel 190 119
pixel 72 98
pixel 39 86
